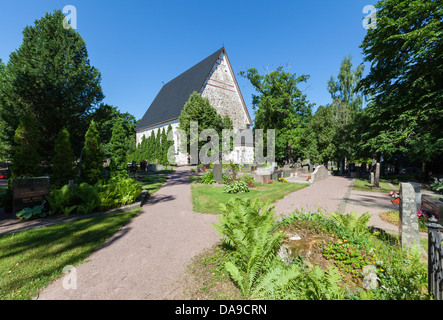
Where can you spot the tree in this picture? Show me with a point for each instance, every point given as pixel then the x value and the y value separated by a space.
pixel 5 148
pixel 62 163
pixel 199 109
pixel 26 158
pixel 92 162
pixel 405 51
pixel 319 137
pixel 118 150
pixel 50 77
pixel 105 117
pixel 280 105
pixel 169 154
pixel 347 103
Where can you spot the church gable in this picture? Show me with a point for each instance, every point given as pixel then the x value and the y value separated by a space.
pixel 222 90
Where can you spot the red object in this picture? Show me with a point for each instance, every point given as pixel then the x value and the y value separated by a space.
pixel 3 177
pixel 397 200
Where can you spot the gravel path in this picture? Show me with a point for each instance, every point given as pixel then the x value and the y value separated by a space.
pixel 335 194
pixel 326 195
pixel 148 257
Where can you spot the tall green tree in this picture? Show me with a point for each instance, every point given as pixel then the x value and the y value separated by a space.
pixel 5 148
pixel 347 103
pixel 50 77
pixel 62 163
pixel 406 53
pixel 280 105
pixel 319 137
pixel 92 162
pixel 199 109
pixel 105 117
pixel 118 150
pixel 26 159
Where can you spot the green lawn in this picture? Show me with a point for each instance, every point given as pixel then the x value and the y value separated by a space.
pixel 152 183
pixel 365 185
pixel 206 199
pixel 30 260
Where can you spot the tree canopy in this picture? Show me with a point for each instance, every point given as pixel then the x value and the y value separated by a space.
pixel 280 105
pixel 405 79
pixel 49 77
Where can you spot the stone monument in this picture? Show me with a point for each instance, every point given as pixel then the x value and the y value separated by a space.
pixel 409 232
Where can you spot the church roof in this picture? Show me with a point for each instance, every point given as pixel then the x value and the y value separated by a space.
pixel 170 101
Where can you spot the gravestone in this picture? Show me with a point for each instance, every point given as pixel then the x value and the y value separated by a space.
pixel 409 232
pixel 217 172
pixel 320 173
pixel 417 191
pixel 29 192
pixel 372 178
pixel 377 177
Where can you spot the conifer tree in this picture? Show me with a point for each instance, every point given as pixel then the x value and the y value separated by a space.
pixel 157 150
pixel 164 148
pixel 26 159
pixel 118 150
pixel 50 77
pixel 92 162
pixel 62 163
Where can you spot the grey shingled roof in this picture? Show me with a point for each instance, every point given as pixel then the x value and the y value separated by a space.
pixel 172 97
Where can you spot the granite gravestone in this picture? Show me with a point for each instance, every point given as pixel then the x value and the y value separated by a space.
pixel 217 172
pixel 29 192
pixel 409 232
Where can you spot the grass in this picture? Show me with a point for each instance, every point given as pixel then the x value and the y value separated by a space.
pixel 31 260
pixel 365 185
pixel 206 198
pixel 152 183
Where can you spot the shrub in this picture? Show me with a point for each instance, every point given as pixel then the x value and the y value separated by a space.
pixel 207 178
pixel 118 192
pixel 60 201
pixel 437 185
pixel 237 186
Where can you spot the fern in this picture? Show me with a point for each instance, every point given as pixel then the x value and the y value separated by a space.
pixel 351 222
pixel 247 227
pixel 87 198
pixel 324 285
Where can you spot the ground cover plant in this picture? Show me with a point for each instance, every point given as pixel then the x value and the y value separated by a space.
pixel 31 260
pixel 249 264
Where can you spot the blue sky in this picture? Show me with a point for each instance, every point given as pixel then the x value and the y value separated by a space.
pixel 137 45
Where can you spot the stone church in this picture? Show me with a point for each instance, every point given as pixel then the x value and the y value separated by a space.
pixel 214 79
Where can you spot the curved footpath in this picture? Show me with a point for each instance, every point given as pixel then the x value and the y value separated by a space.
pixel 148 257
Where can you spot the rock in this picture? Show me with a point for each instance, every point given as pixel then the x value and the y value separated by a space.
pixel 295 237
pixel 369 269
pixel 370 281
pixel 284 253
